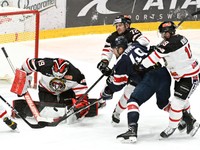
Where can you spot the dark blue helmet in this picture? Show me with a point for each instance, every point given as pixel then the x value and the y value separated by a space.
pixel 120 41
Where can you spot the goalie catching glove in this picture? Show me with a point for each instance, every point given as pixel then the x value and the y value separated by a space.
pixel 21 83
pixel 80 105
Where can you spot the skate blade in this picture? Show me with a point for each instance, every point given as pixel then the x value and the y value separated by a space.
pixel 162 138
pixel 131 140
pixel 181 131
pixel 15 130
pixel 114 124
pixel 194 131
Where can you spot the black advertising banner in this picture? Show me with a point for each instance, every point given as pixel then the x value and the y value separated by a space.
pixel 103 12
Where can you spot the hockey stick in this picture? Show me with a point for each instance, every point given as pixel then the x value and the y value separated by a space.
pixel 34 126
pixel 27 96
pixel 186 17
pixel 68 114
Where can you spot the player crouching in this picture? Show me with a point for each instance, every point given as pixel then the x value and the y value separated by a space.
pixel 61 83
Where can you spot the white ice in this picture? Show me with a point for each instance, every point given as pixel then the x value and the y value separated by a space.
pixel 97 132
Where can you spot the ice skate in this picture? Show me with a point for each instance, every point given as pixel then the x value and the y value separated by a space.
pixel 101 104
pixel 182 126
pixel 10 123
pixel 196 126
pixel 191 123
pixel 130 136
pixel 115 118
pixel 167 132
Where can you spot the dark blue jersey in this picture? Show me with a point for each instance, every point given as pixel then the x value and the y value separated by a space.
pixel 124 70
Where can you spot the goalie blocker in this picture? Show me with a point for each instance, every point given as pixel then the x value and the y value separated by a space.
pixel 49 109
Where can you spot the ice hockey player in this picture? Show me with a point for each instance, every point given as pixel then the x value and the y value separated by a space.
pixel 6 119
pixel 123 28
pixel 60 82
pixel 125 72
pixel 185 69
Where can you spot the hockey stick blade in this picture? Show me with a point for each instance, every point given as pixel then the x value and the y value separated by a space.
pixel 34 126
pixel 67 115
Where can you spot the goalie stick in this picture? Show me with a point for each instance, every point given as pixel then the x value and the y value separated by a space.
pixel 67 115
pixel 27 96
pixel 34 126
pixel 69 112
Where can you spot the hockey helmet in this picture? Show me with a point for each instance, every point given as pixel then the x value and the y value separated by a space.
pixel 122 19
pixel 60 67
pixel 120 41
pixel 167 26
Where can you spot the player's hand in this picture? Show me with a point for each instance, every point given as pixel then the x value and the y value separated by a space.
pixel 102 64
pixel 139 68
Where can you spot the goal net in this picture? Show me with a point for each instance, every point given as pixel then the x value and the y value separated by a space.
pixel 19 35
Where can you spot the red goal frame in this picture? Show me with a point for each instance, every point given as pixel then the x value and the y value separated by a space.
pixel 37 22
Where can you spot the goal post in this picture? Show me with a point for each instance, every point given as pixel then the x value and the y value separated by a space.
pixel 16 27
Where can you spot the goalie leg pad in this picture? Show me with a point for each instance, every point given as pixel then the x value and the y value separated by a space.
pixel 22 107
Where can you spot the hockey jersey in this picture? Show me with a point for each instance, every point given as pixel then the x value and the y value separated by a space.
pixel 73 78
pixel 131 34
pixel 124 70
pixel 178 57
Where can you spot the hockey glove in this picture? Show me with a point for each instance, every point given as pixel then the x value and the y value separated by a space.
pixel 103 67
pixel 80 105
pixel 156 66
pixel 139 68
pixel 153 48
pixel 102 64
pixel 107 71
pixel 107 94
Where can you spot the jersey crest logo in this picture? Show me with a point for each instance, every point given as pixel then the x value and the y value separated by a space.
pixel 57 85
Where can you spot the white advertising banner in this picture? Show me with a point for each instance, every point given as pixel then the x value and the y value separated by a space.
pixel 52 12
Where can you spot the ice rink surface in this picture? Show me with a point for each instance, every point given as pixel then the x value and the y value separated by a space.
pixel 96 132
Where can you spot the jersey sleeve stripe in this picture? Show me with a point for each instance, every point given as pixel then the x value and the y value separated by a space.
pixel 120 79
pixel 153 62
pixel 157 54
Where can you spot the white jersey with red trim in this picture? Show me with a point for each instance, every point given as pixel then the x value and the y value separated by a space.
pixel 132 35
pixel 177 55
pixel 3 112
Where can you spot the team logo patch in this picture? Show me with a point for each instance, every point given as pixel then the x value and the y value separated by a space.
pixel 57 85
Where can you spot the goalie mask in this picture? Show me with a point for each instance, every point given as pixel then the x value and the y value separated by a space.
pixel 60 67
